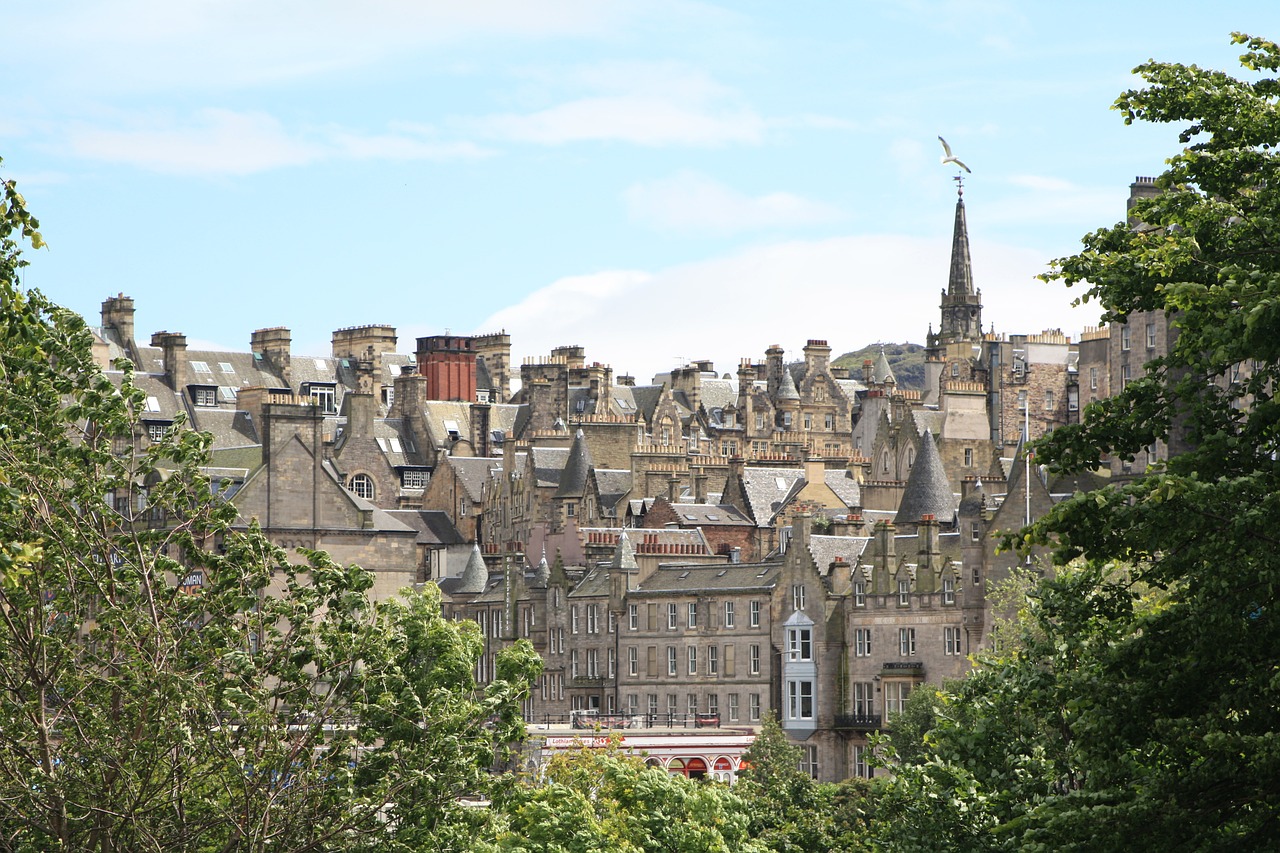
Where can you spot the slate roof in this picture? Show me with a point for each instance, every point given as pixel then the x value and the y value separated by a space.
pixel 434 526
pixel 767 489
pixel 548 464
pixel 229 427
pixel 881 372
pixel 612 486
pixel 710 515
pixel 573 480
pixel 720 577
pixel 624 555
pixel 473 472
pixel 594 584
pixel 845 487
pixel 928 420
pixel 475 576
pixel 825 549
pixel 787 387
pixel 719 393
pixel 928 489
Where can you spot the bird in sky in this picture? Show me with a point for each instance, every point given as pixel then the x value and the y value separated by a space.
pixel 948 157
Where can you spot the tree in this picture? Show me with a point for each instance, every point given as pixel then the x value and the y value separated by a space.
pixel 1141 705
pixel 607 800
pixel 168 682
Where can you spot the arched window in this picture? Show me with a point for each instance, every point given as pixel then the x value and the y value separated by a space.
pixel 362 486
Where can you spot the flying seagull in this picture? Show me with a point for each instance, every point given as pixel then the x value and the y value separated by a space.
pixel 948 157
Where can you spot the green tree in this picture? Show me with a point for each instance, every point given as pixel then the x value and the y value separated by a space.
pixel 790 812
pixel 272 705
pixel 607 800
pixel 1139 709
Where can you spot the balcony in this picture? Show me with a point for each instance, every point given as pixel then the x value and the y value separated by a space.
pixel 902 669
pixel 587 681
pixel 857 722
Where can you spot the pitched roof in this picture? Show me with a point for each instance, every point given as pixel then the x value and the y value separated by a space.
pixel 716 576
pixel 548 464
pixel 475 575
pixel 766 490
pixel 472 472
pixel 928 490
pixel 845 487
pixel 787 387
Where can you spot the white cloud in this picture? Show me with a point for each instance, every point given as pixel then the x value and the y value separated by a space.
pixel 643 103
pixel 216 142
pixel 226 142
pixel 114 45
pixel 638 119
pixel 850 291
pixel 689 202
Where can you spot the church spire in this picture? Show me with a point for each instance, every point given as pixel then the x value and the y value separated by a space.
pixel 960 283
pixel 961 302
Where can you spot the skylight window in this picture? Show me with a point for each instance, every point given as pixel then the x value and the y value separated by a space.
pixel 780 482
pixel 225 367
pixel 320 364
pixel 200 367
pixel 153 404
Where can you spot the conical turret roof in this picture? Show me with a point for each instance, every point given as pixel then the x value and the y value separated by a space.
pixel 881 373
pixel 624 555
pixel 476 575
pixel 542 574
pixel 928 490
pixel 573 482
pixel 787 387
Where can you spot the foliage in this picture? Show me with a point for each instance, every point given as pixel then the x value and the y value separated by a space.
pixel 169 681
pixel 1140 705
pixel 607 800
pixel 905 360
pixel 790 812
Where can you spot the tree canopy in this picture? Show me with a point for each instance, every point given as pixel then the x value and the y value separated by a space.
pixel 1140 707
pixel 172 681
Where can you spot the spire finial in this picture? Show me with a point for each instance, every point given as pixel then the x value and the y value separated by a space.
pixel 959 179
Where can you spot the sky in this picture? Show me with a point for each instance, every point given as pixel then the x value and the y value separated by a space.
pixel 659 181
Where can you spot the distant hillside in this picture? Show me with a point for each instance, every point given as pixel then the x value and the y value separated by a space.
pixel 905 360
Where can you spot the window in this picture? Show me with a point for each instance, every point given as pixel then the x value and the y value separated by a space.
pixel 895 696
pixel 968 457
pixel 653 704
pixel 728 614
pixel 733 707
pixel 1048 400
pixel 797 597
pixel 573 662
pixel 322 396
pixel 671 660
pixel 755 614
pixel 800 643
pixel 754 706
pixel 613 663
pixel 206 397
pixel 692 621
pixel 693 660
pixel 713 660
pixel 829 421
pixel 633 704
pixel 951 641
pixel 975 530
pixel 1151 336
pixel 786 420
pixel 759 420
pixel 1124 337
pixel 862 642
pixel 570 510
pixel 156 431
pixel 671 617
pixel 948 591
pixel 201 367
pixel 864 698
pixel 671 704
pixel 593 619
pixel 573 619
pixel 861 768
pixel 633 616
pixel 859 593
pixel 362 486
pixel 904 593
pixel 755 660
pixel 799 700
pixel 1093 379
pixel 808 421
pixel 1022 400
pixel 593 662
pixel 1125 376
pixel 906 642
pixel 612 620
pixel 412 478
pixel 809 761
pixel 633 661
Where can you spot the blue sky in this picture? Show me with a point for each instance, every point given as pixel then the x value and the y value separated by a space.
pixel 656 180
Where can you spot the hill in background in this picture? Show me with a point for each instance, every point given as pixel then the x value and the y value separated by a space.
pixel 905 360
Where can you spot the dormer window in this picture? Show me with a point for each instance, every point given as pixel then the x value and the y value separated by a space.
pixel 322 394
pixel 205 396
pixel 361 485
